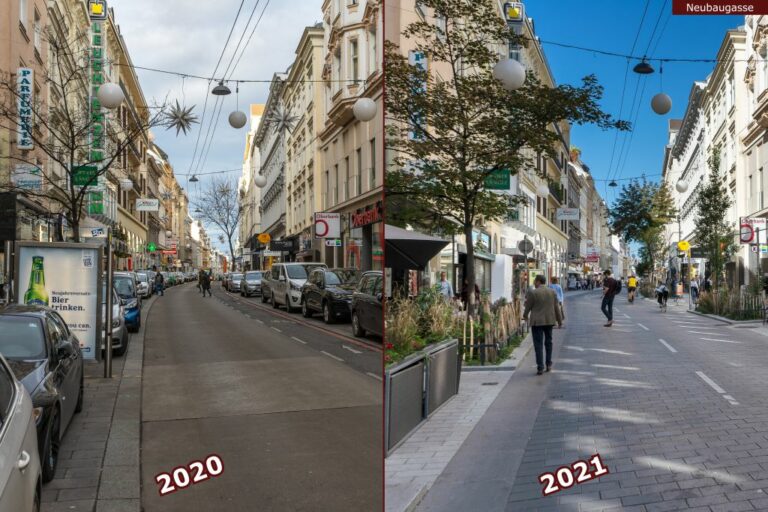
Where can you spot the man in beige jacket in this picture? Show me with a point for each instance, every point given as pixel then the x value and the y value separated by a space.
pixel 542 306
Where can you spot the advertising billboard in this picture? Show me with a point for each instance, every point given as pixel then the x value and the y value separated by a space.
pixel 66 278
pixel 327 225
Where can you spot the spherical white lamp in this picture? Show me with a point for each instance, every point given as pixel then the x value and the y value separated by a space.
pixel 681 186
pixel 110 95
pixel 126 184
pixel 260 180
pixel 510 73
pixel 364 109
pixel 237 119
pixel 661 103
pixel 543 190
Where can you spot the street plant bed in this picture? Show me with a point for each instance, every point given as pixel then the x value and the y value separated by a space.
pixel 732 304
pixel 503 354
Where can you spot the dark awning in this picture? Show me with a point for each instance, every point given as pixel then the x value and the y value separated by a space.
pixel 410 250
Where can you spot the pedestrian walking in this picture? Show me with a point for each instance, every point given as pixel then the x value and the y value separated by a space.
pixel 200 281
pixel 610 288
pixel 695 289
pixel 542 313
pixel 205 283
pixel 446 289
pixel 159 282
pixel 555 285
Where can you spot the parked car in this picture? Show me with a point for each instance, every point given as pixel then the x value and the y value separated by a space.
pixel 151 280
pixel 126 288
pixel 142 285
pixel 224 280
pixel 233 285
pixel 120 334
pixel 285 281
pixel 21 481
pixel 45 356
pixel 251 283
pixel 329 291
pixel 367 308
pixel 168 279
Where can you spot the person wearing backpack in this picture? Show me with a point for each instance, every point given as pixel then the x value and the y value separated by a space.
pixel 611 287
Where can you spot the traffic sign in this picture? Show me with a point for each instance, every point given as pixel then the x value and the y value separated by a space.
pixel 683 245
pixel 525 246
pixel 336 242
pixel 264 238
pixel 747 233
pixel 327 225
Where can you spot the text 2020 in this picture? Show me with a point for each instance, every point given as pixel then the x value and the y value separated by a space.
pixel 193 473
pixel 577 473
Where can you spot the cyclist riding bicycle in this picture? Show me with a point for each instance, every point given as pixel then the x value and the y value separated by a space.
pixel 662 294
pixel 631 287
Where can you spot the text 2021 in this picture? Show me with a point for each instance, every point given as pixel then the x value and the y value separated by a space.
pixel 577 473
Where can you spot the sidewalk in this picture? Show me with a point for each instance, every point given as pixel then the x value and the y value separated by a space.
pixel 98 469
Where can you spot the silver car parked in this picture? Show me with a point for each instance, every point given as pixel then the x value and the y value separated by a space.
pixel 21 479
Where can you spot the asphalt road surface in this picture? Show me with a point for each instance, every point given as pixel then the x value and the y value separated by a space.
pixel 674 403
pixel 297 426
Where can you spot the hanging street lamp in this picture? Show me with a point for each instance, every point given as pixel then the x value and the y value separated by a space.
pixel 510 73
pixel 221 90
pixel 110 95
pixel 364 109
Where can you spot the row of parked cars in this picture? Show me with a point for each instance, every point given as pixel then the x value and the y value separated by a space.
pixel 42 384
pixel 338 294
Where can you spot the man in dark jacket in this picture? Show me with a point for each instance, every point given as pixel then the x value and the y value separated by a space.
pixel 205 283
pixel 542 306
pixel 610 288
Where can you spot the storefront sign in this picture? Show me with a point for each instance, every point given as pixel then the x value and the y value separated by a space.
pixel 67 279
pixel 568 214
pixel 147 205
pixel 498 180
pixel 172 251
pixel 271 254
pixel 24 89
pixel 336 242
pixel 95 203
pixel 281 245
pixel 27 176
pixel 327 225
pixel 370 215
pixel 98 13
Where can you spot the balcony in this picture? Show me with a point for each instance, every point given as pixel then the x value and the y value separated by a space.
pixel 556 190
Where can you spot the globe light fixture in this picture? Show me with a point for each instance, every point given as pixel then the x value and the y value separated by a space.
pixel 126 184
pixel 364 109
pixel 237 119
pixel 510 73
pixel 681 186
pixel 221 90
pixel 260 180
pixel 661 103
pixel 543 190
pixel 110 95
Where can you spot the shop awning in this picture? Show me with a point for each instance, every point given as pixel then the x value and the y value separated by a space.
pixel 410 250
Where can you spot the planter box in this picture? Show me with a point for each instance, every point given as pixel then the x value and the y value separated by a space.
pixel 416 387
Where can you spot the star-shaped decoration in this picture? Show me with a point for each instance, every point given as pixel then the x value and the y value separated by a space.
pixel 281 120
pixel 180 118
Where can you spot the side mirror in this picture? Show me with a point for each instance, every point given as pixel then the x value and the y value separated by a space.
pixel 123 302
pixel 65 349
pixel 281 278
pixel 379 296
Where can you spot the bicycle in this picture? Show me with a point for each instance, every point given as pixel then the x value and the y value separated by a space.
pixel 662 300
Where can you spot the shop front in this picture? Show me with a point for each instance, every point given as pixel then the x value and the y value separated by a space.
pixel 364 238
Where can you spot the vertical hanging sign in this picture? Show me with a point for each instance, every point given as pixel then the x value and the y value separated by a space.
pixel 24 81
pixel 97 10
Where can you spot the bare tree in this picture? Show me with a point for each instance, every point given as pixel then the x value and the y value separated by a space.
pixel 218 205
pixel 80 140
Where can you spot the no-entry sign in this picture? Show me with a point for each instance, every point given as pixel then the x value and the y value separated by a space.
pixel 327 225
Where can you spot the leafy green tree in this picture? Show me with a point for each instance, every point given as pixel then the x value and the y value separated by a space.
pixel 715 234
pixel 449 131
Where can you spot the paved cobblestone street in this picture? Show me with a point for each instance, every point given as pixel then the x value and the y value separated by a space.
pixel 672 402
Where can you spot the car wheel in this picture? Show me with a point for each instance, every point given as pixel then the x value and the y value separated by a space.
pixel 81 396
pixel 274 302
pixel 356 329
pixel 50 456
pixel 305 311
pixel 120 352
pixel 263 298
pixel 327 313
pixel 288 307
pixel 38 500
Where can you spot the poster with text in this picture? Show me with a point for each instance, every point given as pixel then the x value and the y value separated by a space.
pixel 65 279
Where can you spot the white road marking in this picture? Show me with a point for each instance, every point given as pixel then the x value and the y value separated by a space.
pixel 711 383
pixel 699 332
pixel 352 350
pixel 276 329
pixel 260 321
pixel 297 339
pixel 671 349
pixel 721 341
pixel 631 368
pixel 332 356
pixel 728 397
pixel 644 327
pixel 377 377
pixel 626 315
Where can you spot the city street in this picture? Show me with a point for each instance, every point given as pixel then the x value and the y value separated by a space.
pixel 294 416
pixel 673 403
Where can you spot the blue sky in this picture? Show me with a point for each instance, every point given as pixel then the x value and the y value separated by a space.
pixel 612 26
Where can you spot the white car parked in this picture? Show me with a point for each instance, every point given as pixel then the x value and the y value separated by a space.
pixel 21 480
pixel 285 281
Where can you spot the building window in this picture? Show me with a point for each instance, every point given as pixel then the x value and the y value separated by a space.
pixel 346 179
pixel 23 11
pixel 354 60
pixel 326 194
pixel 359 178
pixel 372 177
pixel 373 65
pixel 38 30
pixel 336 184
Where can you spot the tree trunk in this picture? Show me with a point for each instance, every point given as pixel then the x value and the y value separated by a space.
pixel 231 251
pixel 469 268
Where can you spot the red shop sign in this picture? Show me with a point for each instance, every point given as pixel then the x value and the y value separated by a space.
pixel 367 216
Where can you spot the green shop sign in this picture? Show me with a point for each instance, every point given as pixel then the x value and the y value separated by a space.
pixel 498 180
pixel 85 175
pixel 98 121
pixel 96 203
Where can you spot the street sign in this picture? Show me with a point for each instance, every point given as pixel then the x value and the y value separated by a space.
pixel 525 246
pixel 98 232
pixel 498 180
pixel 147 205
pixel 336 242
pixel 327 225
pixel 568 214
pixel 753 248
pixel 746 233
pixel 264 238
pixel 271 253
pixel 683 245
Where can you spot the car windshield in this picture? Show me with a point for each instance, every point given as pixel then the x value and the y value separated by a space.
pixel 237 277
pixel 342 277
pixel 21 338
pixel 124 287
pixel 300 271
pixel 253 276
pixel 104 294
pixel 142 277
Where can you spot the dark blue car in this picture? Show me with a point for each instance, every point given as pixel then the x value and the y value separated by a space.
pixel 125 285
